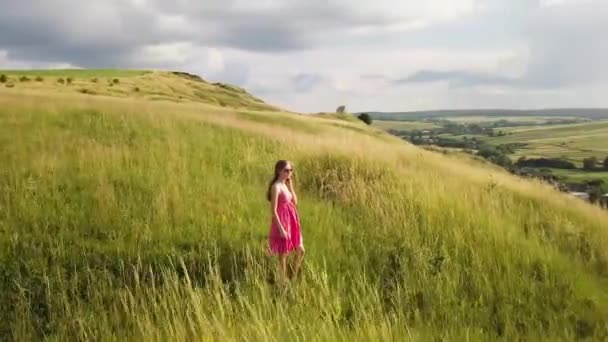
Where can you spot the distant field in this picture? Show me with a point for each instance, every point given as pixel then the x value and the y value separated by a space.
pixel 572 142
pixel 578 177
pixel 590 113
pixel 75 73
pixel 486 119
pixel 403 125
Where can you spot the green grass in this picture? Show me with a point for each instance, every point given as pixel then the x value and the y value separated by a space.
pixel 281 120
pixel 131 220
pixel 84 73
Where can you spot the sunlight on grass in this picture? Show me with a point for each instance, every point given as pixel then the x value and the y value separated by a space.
pixel 128 219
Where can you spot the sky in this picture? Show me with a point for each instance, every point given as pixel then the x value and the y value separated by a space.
pixel 314 55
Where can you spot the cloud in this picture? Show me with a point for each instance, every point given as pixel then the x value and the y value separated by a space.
pixel 306 82
pixel 88 33
pixel 313 55
pixel 564 48
pixel 455 78
pixel 567 44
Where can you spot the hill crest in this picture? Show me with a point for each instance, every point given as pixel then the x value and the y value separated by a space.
pixel 174 86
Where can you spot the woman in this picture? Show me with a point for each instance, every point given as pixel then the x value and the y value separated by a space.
pixel 285 234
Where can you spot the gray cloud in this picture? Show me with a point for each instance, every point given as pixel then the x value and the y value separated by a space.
pixel 455 78
pixel 262 44
pixel 88 33
pixel 566 47
pixel 306 82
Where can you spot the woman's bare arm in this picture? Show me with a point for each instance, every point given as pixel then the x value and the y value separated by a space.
pixel 292 189
pixel 274 196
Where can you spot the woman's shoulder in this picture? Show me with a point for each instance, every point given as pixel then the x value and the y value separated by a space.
pixel 277 186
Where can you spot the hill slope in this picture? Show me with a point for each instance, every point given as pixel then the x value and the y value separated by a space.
pixel 140 84
pixel 125 218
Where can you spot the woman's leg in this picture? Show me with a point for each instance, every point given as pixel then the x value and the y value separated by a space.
pixel 299 259
pixel 283 265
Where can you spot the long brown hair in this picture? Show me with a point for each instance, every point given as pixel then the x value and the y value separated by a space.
pixel 278 167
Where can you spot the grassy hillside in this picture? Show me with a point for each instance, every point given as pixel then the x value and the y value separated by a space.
pixel 140 84
pixel 130 219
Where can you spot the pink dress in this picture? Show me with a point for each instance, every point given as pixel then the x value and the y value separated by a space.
pixel 288 215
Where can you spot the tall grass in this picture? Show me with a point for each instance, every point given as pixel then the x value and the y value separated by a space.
pixel 125 219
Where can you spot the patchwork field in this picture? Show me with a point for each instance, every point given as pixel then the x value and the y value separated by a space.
pixel 571 142
pixel 404 125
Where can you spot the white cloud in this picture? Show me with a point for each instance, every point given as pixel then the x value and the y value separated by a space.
pixel 551 3
pixel 215 60
pixel 313 55
pixel 7 63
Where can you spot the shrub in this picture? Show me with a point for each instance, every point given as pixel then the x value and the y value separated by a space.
pixel 24 79
pixel 60 80
pixel 10 85
pixel 606 164
pixel 115 81
pixel 136 89
pixel 69 80
pixel 365 118
pixel 589 163
pixel 86 91
pixel 545 162
pixel 3 78
pixel 94 80
pixel 39 79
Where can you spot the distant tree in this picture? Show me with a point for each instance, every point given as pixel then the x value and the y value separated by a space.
pixel 39 79
pixel 365 118
pixel 24 79
pixel 475 129
pixel 94 80
pixel 69 80
pixel 606 164
pixel 545 162
pixel 595 182
pixel 3 78
pixel 341 109
pixel 60 80
pixel 488 151
pixel 589 163
pixel 115 81
pixel 596 190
